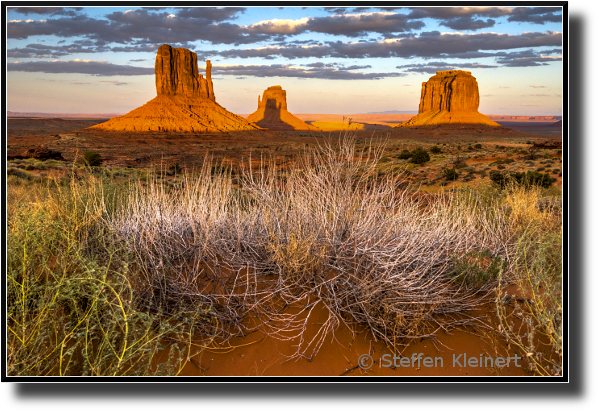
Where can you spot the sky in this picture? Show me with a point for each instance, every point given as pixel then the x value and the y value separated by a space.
pixel 329 60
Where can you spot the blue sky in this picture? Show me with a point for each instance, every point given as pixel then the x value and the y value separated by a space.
pixel 330 60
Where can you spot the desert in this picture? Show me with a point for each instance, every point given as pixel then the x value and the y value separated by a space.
pixel 179 238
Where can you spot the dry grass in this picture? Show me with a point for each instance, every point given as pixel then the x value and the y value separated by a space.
pixel 535 301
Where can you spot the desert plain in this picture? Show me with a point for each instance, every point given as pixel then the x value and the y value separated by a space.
pixel 473 150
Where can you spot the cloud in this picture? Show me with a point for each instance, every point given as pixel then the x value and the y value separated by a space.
pixel 61 27
pixel 446 13
pixel 214 14
pixel 44 51
pixel 140 29
pixel 114 82
pixel 313 71
pixel 469 18
pixel 279 26
pixel 54 11
pixel 538 87
pixel 351 25
pixel 538 94
pixel 537 15
pixel 138 60
pixel 145 26
pixel 434 67
pixel 526 58
pixel 427 45
pixel 95 68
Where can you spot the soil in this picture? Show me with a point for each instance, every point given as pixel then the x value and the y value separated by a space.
pixel 260 355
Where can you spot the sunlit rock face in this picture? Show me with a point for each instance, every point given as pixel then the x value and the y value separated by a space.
pixel 185 100
pixel 449 97
pixel 177 74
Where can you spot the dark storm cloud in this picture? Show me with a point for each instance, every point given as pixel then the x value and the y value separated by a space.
pixel 53 11
pixel 312 72
pixel 73 66
pixel 434 67
pixel 427 45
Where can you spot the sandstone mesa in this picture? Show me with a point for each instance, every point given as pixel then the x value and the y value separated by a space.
pixel 272 112
pixel 185 100
pixel 449 97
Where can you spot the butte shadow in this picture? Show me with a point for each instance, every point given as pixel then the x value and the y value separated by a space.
pixel 185 100
pixel 272 112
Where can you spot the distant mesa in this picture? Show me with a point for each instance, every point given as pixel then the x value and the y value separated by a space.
pixel 272 112
pixel 449 97
pixel 185 100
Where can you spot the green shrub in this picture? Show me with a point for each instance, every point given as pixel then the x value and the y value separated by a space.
pixel 19 173
pixel 175 168
pixel 529 178
pixel 92 158
pixel 508 160
pixel 470 148
pixel 405 154
pixel 420 156
pixel 479 146
pixel 477 268
pixel 451 174
pixel 435 149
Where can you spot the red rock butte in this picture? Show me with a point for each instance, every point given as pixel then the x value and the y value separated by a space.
pixel 272 112
pixel 449 97
pixel 185 100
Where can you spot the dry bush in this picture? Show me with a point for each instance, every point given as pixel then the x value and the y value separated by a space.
pixel 330 235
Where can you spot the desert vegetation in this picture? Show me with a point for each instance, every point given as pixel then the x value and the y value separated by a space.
pixel 107 266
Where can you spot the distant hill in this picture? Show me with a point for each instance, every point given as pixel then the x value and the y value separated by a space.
pixel 61 115
pixel 390 112
pixel 525 118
